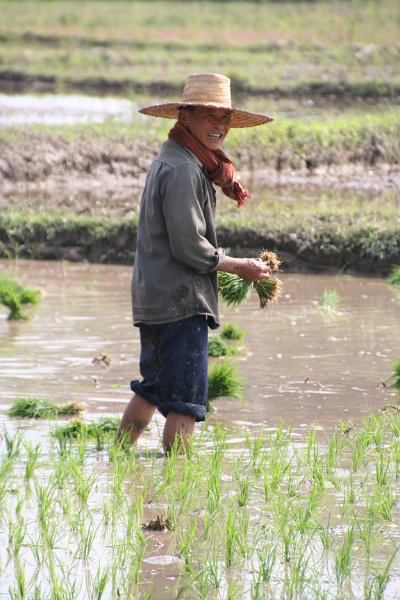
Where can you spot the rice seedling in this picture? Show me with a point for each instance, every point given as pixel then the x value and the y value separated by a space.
pixel 33 462
pixel 223 382
pixel 99 583
pixel 13 444
pixel 33 407
pixel 232 332
pixel 16 537
pixel 185 545
pixel 18 592
pixel 395 375
pixel 329 301
pixel 343 558
pixel 234 290
pixel 394 275
pixel 108 426
pixel 217 346
pixel 13 296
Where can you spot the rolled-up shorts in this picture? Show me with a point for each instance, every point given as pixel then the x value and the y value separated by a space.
pixel 174 366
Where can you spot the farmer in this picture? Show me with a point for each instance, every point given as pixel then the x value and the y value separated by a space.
pixel 174 284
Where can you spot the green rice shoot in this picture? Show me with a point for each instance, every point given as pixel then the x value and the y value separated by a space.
pixel 396 375
pixel 13 296
pixel 394 276
pixel 329 301
pixel 105 426
pixel 223 382
pixel 232 332
pixel 217 347
pixel 33 407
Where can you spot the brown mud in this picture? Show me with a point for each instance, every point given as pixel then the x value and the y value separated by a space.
pixel 102 180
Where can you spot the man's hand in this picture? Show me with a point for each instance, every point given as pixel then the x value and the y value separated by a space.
pixel 252 269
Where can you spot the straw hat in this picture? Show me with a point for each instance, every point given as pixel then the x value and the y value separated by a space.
pixel 207 89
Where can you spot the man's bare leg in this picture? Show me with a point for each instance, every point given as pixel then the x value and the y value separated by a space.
pixel 135 418
pixel 178 425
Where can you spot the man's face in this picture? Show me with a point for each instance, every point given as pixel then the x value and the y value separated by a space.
pixel 209 125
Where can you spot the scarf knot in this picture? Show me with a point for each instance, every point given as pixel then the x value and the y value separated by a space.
pixel 220 169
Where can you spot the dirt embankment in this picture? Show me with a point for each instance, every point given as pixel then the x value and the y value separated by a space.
pixel 78 200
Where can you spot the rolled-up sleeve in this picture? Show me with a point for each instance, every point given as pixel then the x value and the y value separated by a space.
pixel 187 216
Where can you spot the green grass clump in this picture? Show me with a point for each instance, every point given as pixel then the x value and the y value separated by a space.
pixel 330 300
pixel 13 296
pixel 224 382
pixel 394 276
pixel 217 346
pixel 39 408
pixel 231 332
pixel 78 428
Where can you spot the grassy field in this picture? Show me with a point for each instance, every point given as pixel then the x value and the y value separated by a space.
pixel 341 48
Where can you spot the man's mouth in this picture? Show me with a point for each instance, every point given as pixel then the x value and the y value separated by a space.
pixel 215 136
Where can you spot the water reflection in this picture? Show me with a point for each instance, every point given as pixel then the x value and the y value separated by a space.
pixel 303 365
pixel 52 109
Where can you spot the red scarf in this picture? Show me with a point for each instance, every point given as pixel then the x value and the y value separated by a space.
pixel 220 169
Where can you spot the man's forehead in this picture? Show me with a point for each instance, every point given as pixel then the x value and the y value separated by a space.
pixel 213 111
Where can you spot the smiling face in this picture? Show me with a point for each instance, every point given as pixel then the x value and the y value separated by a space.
pixel 209 125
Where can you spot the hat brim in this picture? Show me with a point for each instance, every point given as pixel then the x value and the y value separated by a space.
pixel 240 118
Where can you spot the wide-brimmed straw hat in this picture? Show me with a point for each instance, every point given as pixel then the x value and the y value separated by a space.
pixel 211 90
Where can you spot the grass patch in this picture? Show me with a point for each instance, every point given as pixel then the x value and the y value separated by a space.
pixel 39 408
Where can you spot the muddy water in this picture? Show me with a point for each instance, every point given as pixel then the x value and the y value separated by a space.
pixel 26 109
pixel 302 364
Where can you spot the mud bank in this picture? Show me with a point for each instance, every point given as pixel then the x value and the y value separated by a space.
pixel 320 247
pixel 13 81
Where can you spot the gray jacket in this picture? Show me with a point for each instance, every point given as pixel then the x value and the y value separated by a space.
pixel 174 275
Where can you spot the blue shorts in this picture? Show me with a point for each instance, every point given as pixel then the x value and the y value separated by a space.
pixel 174 366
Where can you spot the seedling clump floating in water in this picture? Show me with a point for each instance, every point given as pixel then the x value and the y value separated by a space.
pixel 13 296
pixel 106 426
pixel 39 408
pixel 235 290
pixel 231 332
pixel 223 382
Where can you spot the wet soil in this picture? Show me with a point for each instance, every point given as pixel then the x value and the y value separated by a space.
pixel 303 364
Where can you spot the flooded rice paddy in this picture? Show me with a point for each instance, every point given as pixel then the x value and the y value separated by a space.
pixel 302 364
pixel 291 495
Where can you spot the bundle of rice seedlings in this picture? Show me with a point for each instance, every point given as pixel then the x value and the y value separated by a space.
pixel 231 332
pixel 396 376
pixel 218 347
pixel 39 408
pixel 13 295
pixel 329 301
pixel 235 290
pixel 394 276
pixel 106 426
pixel 224 382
